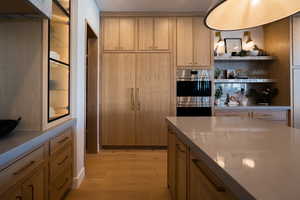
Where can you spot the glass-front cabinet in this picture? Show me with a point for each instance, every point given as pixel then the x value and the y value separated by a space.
pixel 59 61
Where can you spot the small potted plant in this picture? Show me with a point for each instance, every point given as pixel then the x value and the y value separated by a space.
pixel 218 95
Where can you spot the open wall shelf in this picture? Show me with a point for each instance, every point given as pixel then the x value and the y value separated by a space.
pixel 244 58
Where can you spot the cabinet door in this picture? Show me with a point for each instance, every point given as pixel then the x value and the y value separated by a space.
pixel 14 193
pixel 202 43
pixel 204 184
pixel 161 33
pixel 127 33
pixel 171 162
pixel 34 187
pixel 184 41
pixel 153 83
pixel 181 171
pixel 118 122
pixel 146 25
pixel 111 33
pixel 297 98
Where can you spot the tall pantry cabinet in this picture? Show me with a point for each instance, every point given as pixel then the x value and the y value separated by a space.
pixel 139 60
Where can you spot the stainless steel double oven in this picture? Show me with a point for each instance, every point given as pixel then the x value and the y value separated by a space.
pixel 194 92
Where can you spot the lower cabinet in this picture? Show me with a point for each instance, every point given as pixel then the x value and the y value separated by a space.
pixel 44 173
pixel 189 178
pixel 204 185
pixel 34 187
pixel 181 171
pixel 278 116
pixel 171 162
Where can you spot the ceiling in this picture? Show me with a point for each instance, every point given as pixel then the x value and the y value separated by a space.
pixel 154 5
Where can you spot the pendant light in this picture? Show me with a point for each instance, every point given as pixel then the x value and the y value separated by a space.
pixel 227 15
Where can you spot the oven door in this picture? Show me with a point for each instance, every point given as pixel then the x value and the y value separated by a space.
pixel 194 88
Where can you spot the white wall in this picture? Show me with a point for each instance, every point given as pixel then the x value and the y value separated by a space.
pixel 82 11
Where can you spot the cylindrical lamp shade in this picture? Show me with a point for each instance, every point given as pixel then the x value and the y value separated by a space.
pixel 227 15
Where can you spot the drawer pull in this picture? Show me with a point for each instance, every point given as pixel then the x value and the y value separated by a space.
pixel 179 148
pixel 19 198
pixel 63 140
pixel 216 183
pixel 63 161
pixel 64 184
pixel 24 168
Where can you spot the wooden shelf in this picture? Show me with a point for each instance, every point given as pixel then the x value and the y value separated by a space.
pixel 245 58
pixel 245 81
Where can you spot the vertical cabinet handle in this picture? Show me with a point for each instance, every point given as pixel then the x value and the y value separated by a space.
pixel 137 94
pixel 132 98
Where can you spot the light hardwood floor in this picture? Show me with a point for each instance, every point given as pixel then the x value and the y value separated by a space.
pixel 126 175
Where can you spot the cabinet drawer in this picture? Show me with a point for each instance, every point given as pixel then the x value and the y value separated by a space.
pixel 271 115
pixel 60 161
pixel 61 185
pixel 242 114
pixel 21 168
pixel 60 141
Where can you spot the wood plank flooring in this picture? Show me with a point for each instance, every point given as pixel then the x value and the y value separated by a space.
pixel 126 175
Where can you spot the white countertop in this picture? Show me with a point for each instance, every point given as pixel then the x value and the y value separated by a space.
pixel 262 157
pixel 19 142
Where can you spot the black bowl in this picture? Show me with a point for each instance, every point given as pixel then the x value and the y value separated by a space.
pixel 7 126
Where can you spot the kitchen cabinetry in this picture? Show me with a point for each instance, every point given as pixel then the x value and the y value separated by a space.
pixel 118 106
pixel 135 98
pixel 152 98
pixel 204 184
pixel 32 177
pixel 153 33
pixel 189 177
pixel 181 171
pixel 119 33
pixel 277 116
pixel 34 187
pixel 171 162
pixel 296 41
pixel 194 42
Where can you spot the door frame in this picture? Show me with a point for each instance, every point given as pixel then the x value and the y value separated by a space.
pixel 92 116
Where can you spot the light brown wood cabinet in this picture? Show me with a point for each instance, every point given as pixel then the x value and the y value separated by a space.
pixel 119 33
pixel 34 187
pixel 194 42
pixel 189 177
pixel 277 116
pixel 153 33
pixel 171 162
pixel 135 98
pixel 118 94
pixel 42 174
pixel 181 170
pixel 203 184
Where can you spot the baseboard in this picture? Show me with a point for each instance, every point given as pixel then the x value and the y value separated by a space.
pixel 78 179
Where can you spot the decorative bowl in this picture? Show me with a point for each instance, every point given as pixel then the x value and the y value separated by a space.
pixel 7 126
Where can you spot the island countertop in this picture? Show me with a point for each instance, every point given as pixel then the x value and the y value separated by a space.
pixel 261 157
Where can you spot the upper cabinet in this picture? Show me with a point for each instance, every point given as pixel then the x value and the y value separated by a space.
pixel 194 42
pixel 27 7
pixel 119 33
pixel 153 33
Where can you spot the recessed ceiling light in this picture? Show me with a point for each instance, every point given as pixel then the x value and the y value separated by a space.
pixel 228 15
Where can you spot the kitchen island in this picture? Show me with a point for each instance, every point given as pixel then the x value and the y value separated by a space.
pixel 232 158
